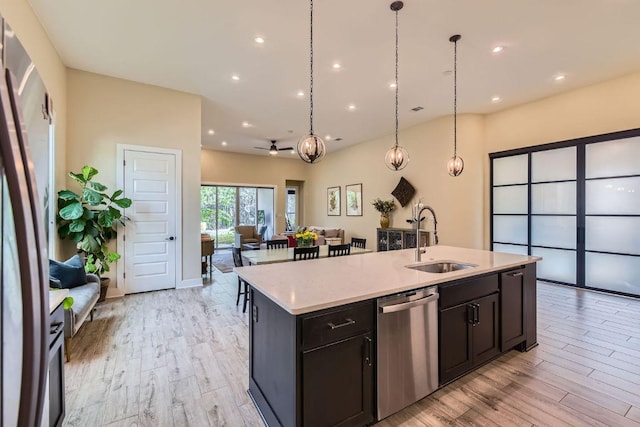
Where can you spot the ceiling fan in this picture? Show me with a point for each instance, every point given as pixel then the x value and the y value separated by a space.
pixel 273 150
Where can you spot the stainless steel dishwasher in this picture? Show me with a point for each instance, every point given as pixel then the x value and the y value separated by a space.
pixel 407 349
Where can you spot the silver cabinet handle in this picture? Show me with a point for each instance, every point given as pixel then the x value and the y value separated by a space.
pixel 408 305
pixel 348 322
pixel 518 274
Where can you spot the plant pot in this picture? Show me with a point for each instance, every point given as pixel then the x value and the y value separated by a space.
pixel 384 220
pixel 104 286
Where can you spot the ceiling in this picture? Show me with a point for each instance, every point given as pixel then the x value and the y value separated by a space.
pixel 197 46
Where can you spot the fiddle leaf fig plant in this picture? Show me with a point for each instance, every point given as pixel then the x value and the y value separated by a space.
pixel 90 218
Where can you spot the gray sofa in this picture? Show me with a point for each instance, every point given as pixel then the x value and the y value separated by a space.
pixel 85 298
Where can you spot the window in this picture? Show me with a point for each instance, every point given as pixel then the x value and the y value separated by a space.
pixel 292 207
pixel 577 205
pixel 224 207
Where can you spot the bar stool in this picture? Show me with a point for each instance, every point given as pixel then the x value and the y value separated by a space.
pixel 242 290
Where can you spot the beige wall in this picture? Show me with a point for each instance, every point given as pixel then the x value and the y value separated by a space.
pixel 610 106
pixel 105 111
pixel 25 24
pixel 243 169
pixel 457 201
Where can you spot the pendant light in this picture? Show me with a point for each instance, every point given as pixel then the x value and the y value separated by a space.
pixel 397 157
pixel 311 147
pixel 455 165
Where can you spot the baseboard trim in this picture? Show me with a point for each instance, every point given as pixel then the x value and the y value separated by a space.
pixel 189 283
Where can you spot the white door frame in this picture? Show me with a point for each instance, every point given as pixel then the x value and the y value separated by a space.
pixel 121 282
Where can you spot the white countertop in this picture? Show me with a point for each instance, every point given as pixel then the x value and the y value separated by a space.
pixel 56 297
pixel 305 286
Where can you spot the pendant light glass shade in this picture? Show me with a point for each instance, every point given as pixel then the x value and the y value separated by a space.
pixel 455 165
pixel 397 157
pixel 311 147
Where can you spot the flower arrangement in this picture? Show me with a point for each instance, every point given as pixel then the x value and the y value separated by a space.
pixel 306 238
pixel 384 206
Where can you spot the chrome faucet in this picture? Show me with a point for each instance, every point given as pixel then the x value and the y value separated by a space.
pixel 422 208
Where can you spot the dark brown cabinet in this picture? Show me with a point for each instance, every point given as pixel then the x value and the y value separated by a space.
pixel 518 308
pixel 393 239
pixel 56 368
pixel 469 325
pixel 314 369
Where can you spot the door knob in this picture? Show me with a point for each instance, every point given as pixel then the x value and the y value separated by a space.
pixel 170 238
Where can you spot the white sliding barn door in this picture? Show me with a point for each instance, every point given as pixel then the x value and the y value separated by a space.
pixel 150 237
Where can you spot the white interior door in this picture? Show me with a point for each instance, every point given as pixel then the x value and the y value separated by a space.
pixel 150 235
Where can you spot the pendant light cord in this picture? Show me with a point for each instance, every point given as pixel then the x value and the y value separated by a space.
pixel 311 69
pixel 396 78
pixel 455 97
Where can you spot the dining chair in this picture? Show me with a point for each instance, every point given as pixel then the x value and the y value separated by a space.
pixel 340 250
pixel 278 244
pixel 356 242
pixel 312 252
pixel 237 261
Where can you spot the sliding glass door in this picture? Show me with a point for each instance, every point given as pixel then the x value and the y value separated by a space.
pixel 224 207
pixel 577 205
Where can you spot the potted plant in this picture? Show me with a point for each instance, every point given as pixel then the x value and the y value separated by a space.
pixel 384 207
pixel 90 218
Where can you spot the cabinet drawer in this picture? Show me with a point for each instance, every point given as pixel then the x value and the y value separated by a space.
pixel 56 324
pixel 336 325
pixel 468 290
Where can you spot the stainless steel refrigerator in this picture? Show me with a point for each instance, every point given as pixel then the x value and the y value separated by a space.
pixel 23 271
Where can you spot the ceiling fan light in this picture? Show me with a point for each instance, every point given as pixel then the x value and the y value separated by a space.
pixel 311 148
pixel 455 165
pixel 396 158
pixel 273 151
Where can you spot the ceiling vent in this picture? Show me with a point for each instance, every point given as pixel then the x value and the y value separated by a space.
pixel 418 108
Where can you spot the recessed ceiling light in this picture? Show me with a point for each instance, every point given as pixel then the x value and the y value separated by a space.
pixel 327 137
pixel 223 143
pixel 351 107
pixel 392 85
pixel 496 99
pixel 300 94
pixel 235 77
pixel 559 77
pixel 292 151
pixel 497 49
pixel 211 132
pixel 336 66
pixel 259 39
pixel 247 125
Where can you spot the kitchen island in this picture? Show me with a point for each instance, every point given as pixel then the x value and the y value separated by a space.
pixel 313 326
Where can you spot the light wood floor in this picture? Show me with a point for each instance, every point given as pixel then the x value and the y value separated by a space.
pixel 179 358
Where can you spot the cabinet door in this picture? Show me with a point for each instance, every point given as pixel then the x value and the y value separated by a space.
pixel 485 329
pixel 383 240
pixel 396 241
pixel 512 322
pixel 455 342
pixel 337 382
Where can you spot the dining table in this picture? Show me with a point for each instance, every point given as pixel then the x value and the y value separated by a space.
pixel 272 256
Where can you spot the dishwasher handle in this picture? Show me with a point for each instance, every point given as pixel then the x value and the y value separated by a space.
pixel 407 305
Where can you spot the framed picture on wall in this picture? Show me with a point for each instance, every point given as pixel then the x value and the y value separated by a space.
pixel 333 201
pixel 354 199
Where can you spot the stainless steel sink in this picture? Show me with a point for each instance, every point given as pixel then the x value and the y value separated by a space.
pixel 441 266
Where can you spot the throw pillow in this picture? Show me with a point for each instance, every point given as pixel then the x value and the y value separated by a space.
pixel 69 273
pixel 331 232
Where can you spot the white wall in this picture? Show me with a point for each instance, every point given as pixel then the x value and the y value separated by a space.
pixel 106 111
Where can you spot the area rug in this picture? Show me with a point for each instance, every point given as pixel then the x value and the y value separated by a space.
pixel 223 261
